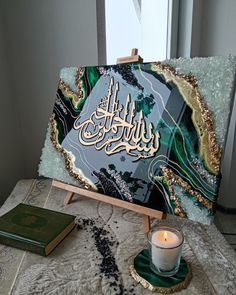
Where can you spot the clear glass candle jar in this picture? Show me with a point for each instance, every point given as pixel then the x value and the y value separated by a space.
pixel 165 246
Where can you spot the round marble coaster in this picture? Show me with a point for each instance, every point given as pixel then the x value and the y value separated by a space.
pixel 142 273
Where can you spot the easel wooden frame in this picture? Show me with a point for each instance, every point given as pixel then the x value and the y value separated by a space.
pixel 71 189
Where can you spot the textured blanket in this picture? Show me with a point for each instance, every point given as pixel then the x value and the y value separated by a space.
pixel 95 257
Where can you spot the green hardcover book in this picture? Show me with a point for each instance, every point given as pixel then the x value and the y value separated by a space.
pixel 35 229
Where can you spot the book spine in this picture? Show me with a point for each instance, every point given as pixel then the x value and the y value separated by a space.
pixel 22 244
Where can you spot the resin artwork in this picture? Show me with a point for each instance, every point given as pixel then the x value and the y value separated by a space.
pixel 147 133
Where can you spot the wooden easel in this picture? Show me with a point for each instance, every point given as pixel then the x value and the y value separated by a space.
pixel 71 189
pixel 134 57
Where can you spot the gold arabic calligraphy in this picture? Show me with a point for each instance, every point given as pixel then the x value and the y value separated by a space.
pixel 111 128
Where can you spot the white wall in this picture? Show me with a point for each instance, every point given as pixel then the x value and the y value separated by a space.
pixel 11 164
pixel 218 27
pixel 41 37
pixel 190 28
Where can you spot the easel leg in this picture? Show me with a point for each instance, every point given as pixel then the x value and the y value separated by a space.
pixel 146 223
pixel 68 198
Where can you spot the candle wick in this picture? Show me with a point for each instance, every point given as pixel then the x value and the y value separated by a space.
pixel 165 239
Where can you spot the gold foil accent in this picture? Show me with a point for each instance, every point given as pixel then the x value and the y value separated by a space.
pixel 162 290
pixel 68 159
pixel 131 135
pixel 172 178
pixel 29 220
pixel 66 90
pixel 178 210
pixel 79 82
pixel 201 116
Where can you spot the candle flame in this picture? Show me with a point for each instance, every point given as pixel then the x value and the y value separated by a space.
pixel 165 236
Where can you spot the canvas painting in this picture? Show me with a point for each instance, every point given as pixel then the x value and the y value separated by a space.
pixel 141 132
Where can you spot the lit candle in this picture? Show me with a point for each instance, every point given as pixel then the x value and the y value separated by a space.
pixel 166 244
